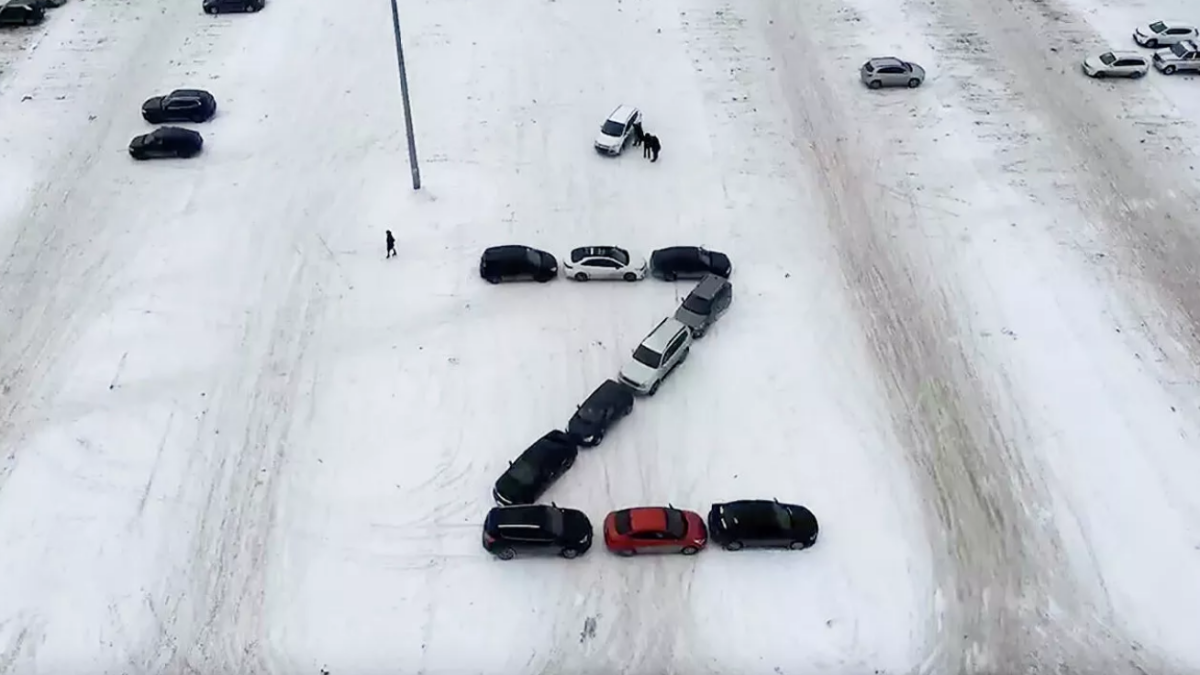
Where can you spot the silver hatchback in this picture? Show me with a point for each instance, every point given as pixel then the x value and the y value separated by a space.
pixel 890 71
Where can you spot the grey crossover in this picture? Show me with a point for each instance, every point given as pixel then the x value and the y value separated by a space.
pixel 890 71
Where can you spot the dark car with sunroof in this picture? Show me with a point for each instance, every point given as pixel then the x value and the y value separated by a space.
pixel 762 523
pixel 603 408
pixel 515 262
pixel 535 470
pixel 536 529
pixel 688 262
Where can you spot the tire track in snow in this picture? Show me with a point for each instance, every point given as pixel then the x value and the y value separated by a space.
pixel 997 609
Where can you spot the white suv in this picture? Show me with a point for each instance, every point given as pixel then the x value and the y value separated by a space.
pixel 617 130
pixel 663 349
pixel 1179 57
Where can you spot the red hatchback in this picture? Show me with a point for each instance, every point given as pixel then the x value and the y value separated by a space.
pixel 654 529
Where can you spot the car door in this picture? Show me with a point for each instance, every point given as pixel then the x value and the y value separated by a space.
pixel 603 268
pixel 892 75
pixel 10 15
pixel 1177 34
pixel 181 109
pixel 1127 66
pixel 720 303
pixel 533 541
pixel 671 353
pixel 647 542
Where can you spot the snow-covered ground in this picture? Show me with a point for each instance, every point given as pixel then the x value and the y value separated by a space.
pixel 235 438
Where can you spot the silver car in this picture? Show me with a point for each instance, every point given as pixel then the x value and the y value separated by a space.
pixel 889 71
pixel 663 349
pixel 705 304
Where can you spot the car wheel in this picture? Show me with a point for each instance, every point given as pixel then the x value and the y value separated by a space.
pixel 630 276
pixel 875 84
pixel 1100 75
pixel 580 276
pixel 670 276
pixel 1169 70
pixel 570 553
pixel 797 546
pixel 210 10
pixel 251 7
pixel 914 83
pixel 596 440
pixel 690 550
pixel 1152 44
pixel 1136 75
pixel 733 546
pixel 654 388
pixel 626 553
pixel 542 280
pixel 506 554
pixel 492 280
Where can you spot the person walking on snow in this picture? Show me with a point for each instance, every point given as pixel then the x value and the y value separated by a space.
pixel 654 146
pixel 391 244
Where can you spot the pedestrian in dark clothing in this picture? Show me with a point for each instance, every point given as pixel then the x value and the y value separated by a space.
pixel 638 134
pixel 391 244
pixel 655 146
pixel 647 143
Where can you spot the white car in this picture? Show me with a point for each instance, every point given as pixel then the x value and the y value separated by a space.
pixel 617 130
pixel 663 349
pixel 1164 33
pixel 1116 64
pixel 604 262
pixel 1179 57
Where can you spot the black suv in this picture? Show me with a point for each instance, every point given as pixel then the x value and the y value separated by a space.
pixel 537 529
pixel 531 474
pixel 219 6
pixel 166 142
pixel 181 105
pixel 688 262
pixel 17 13
pixel 603 408
pixel 761 523
pixel 515 262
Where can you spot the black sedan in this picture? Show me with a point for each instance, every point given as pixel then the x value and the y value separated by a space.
pixel 166 142
pixel 515 262
pixel 761 523
pixel 603 408
pixel 181 105
pixel 220 6
pixel 21 13
pixel 536 529
pixel 688 262
pixel 530 475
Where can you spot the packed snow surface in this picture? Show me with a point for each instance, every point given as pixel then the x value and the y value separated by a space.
pixel 234 438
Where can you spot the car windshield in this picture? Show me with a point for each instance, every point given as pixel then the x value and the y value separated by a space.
pixel 534 257
pixel 676 524
pixel 868 67
pixel 782 517
pixel 618 255
pixel 554 522
pixel 523 472
pixel 612 128
pixel 1107 58
pixel 697 305
pixel 1179 49
pixel 1158 27
pixel 647 356
pixel 705 259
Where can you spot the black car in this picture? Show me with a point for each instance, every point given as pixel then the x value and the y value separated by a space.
pixel 537 529
pixel 18 13
pixel 603 408
pixel 531 474
pixel 688 262
pixel 762 523
pixel 516 263
pixel 181 105
pixel 166 142
pixel 219 6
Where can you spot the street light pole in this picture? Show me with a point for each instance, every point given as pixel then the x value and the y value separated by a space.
pixel 408 125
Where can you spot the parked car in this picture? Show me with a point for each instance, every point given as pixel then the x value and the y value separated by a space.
pixel 1164 33
pixel 222 6
pixel 536 529
pixel 654 529
pixel 617 130
pixel 514 262
pixel 705 304
pixel 1180 57
pixel 1116 64
pixel 535 470
pixel 21 13
pixel 657 356
pixel 688 262
pixel 181 105
pixel 604 262
pixel 48 4
pixel 610 402
pixel 166 143
pixel 889 71
pixel 761 523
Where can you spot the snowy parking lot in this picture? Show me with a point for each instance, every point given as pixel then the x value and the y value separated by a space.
pixel 235 438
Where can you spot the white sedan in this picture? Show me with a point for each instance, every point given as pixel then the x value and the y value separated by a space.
pixel 1116 64
pixel 604 262
pixel 1164 34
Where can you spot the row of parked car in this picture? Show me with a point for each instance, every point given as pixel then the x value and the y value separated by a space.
pixel 519 525
pixel 26 12
pixel 1176 50
pixel 516 262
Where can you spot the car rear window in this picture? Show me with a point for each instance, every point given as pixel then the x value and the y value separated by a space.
pixel 647 356
pixel 868 67
pixel 697 304
pixel 623 522
pixel 676 524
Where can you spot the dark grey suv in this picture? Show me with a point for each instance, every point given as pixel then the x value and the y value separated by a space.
pixel 222 6
pixel 705 304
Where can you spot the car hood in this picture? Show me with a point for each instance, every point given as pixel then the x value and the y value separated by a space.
pixel 577 426
pixel 638 372
pixel 721 262
pixel 139 141
pixel 153 104
pixel 512 490
pixel 549 261
pixel 1094 63
pixel 576 526
pixel 1144 31
pixel 1165 54
pixel 918 70
pixel 604 140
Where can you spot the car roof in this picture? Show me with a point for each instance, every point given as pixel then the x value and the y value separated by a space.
pixel 648 518
pixel 1187 44
pixel 678 251
pixel 189 92
pixel 582 252
pixel 523 516
pixel 884 61
pixel 622 113
pixel 663 333
pixel 505 251
pixel 607 393
pixel 1129 55
pixel 709 285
